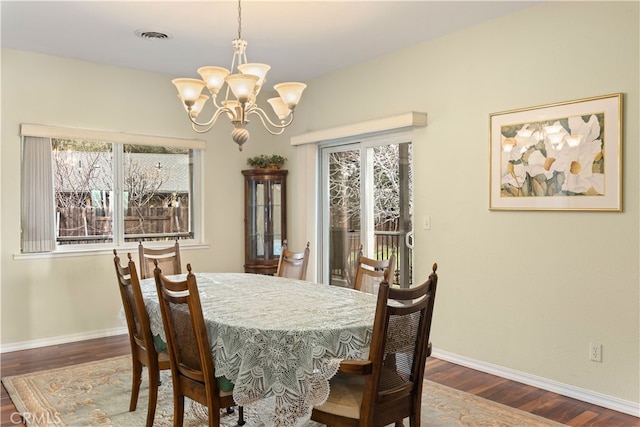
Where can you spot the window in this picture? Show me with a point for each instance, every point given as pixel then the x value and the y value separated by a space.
pixel 109 193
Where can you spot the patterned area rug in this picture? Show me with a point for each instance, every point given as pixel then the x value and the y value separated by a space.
pixel 97 394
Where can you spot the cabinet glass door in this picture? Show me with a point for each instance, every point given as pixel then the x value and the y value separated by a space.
pixel 265 219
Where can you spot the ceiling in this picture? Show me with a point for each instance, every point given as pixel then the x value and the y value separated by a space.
pixel 300 39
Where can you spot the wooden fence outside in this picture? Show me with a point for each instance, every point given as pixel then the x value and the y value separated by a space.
pixel 84 225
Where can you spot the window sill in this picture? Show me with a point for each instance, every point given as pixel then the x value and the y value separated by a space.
pixel 98 251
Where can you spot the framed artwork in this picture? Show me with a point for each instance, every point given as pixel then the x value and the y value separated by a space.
pixel 563 156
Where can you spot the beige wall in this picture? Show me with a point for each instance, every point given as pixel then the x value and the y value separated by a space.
pixel 524 290
pixel 527 291
pixel 52 297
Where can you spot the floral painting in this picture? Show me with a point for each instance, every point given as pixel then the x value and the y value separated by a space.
pixel 560 156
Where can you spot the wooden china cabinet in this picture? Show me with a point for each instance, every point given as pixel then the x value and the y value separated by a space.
pixel 265 218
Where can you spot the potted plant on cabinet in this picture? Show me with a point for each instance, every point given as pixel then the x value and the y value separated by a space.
pixel 264 161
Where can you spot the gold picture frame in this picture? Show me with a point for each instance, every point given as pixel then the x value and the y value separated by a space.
pixel 562 156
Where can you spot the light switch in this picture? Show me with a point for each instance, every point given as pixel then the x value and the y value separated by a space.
pixel 426 222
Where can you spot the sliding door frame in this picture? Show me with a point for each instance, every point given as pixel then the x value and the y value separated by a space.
pixel 304 225
pixel 365 144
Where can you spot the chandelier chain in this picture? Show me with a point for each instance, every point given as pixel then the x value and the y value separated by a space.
pixel 239 20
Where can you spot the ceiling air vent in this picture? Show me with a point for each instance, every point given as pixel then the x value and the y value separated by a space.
pixel 154 35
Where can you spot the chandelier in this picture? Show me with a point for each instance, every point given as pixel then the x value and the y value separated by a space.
pixel 242 88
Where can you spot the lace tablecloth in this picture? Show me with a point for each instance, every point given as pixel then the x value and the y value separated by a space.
pixel 278 340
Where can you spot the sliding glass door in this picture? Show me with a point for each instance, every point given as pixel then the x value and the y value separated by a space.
pixel 366 205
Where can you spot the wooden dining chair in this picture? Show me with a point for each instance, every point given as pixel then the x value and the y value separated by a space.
pixel 293 264
pixel 143 350
pixel 192 368
pixel 387 387
pixel 168 260
pixel 370 272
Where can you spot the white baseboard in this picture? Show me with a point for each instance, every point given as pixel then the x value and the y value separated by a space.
pixel 64 339
pixel 592 397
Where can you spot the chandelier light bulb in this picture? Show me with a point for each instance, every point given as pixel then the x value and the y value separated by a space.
pixel 290 93
pixel 188 89
pixel 242 85
pixel 255 69
pixel 279 107
pixel 214 78
pixel 198 106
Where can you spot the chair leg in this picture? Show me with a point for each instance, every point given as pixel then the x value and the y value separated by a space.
pixel 214 416
pixel 178 410
pixel 241 420
pixel 414 419
pixel 135 384
pixel 154 382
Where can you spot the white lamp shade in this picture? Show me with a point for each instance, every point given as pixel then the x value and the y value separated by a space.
pixel 198 106
pixel 279 107
pixel 214 77
pixel 290 92
pixel 255 69
pixel 189 89
pixel 242 85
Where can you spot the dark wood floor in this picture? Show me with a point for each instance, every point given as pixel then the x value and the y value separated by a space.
pixel 540 402
pixel 526 398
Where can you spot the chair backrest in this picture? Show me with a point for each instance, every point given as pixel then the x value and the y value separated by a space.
pixel 399 348
pixel 370 272
pixel 293 264
pixel 168 260
pixel 134 308
pixel 184 326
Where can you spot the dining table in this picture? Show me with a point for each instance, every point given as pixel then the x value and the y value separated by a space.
pixel 278 340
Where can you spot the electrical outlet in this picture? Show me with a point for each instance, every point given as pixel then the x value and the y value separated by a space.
pixel 595 352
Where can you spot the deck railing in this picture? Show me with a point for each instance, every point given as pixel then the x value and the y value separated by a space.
pixel 346 246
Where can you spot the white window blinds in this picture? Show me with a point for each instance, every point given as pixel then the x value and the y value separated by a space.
pixel 38 208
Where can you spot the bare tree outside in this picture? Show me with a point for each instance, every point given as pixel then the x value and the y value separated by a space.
pixel 84 189
pixel 78 168
pixel 386 194
pixel 344 191
pixel 391 187
pixel 141 184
